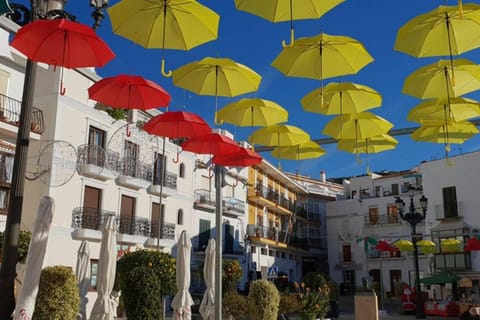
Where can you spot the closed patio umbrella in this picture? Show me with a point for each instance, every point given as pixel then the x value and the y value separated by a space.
pixel 82 274
pixel 107 264
pixel 36 253
pixel 207 306
pixel 182 301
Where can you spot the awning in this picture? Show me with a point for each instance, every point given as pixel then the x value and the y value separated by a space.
pixel 441 278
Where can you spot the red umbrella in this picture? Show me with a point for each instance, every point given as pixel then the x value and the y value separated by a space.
pixel 385 246
pixel 473 244
pixel 242 158
pixel 129 92
pixel 177 124
pixel 212 143
pixel 60 42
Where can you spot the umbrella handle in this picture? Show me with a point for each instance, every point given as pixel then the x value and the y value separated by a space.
pixel 63 90
pixel 292 40
pixel 164 73
pixel 129 132
pixel 210 173
pixel 236 182
pixel 176 159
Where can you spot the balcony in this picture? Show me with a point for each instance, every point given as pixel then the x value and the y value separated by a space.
pixel 10 117
pixel 267 235
pixel 271 199
pixel 382 219
pixel 92 162
pixel 169 185
pixel 204 200
pixel 233 207
pixel 133 174
pixel 87 223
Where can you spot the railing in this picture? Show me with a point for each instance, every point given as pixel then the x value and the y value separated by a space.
pixel 89 218
pixel 92 154
pixel 234 205
pixel 136 169
pixel 10 113
pixel 273 196
pixel 274 234
pixel 204 197
pixel 168 231
pixel 381 219
pixel 6 169
pixel 169 181
pixel 134 226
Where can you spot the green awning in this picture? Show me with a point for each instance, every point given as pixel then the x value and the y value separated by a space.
pixel 441 278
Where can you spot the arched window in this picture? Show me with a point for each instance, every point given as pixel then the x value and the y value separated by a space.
pixel 181 170
pixel 180 217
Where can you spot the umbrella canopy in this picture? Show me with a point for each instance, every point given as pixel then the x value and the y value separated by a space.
pixel 426 246
pixel 252 112
pixel 441 32
pixel 454 132
pixel 182 300
pixel 473 244
pixel 212 143
pixel 368 145
pixel 63 43
pixel 357 126
pixel 302 151
pixel 385 246
pixel 107 264
pixel 322 56
pixel 82 274
pixel 436 80
pixel 279 135
pixel 442 111
pixel 177 124
pixel 36 253
pixel 340 98
pixel 403 245
pixel 129 92
pixel 165 24
pixel 450 245
pixel 367 241
pixel 242 158
pixel 441 278
pixel 207 306
pixel 287 10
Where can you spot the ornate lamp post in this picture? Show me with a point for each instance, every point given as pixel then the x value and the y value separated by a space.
pixel 413 217
pixel 40 9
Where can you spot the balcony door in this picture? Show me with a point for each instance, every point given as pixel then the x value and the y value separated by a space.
pixel 159 165
pixel 92 202
pixel 96 155
pixel 229 237
pixel 127 215
pixel 157 219
pixel 131 153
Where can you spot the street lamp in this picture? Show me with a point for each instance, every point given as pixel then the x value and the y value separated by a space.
pixel 414 217
pixel 39 9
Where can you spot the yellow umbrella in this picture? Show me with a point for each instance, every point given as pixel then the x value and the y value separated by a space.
pixel 435 80
pixel 165 24
pixel 340 98
pixel 357 126
pixel 216 77
pixel 444 31
pixel 279 135
pixel 322 56
pixel 252 112
pixel 441 111
pixel 373 144
pixel 426 246
pixel 454 132
pixel 284 10
pixel 306 150
pixel 450 245
pixel 403 245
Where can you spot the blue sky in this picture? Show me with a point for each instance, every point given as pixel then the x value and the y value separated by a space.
pixel 255 42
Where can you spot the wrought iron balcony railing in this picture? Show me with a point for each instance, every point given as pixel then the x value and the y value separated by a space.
pixel 10 113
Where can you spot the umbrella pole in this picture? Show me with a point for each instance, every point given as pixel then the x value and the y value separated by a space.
pixel 447 21
pixel 218 248
pixel 162 175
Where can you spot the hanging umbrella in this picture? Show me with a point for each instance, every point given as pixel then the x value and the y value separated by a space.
pixel 403 245
pixel 36 253
pixel 367 241
pixel 216 77
pixel 107 264
pixel 165 24
pixel 129 92
pixel 207 306
pixel 302 151
pixel 453 132
pixel 444 111
pixel 212 143
pixel 322 56
pixel 340 98
pixel 279 135
pixel 284 10
pixel 473 244
pixel 253 112
pixel 368 145
pixel 242 158
pixel 435 80
pixel 450 245
pixel 177 124
pixel 426 246
pixel 182 300
pixel 357 126
pixel 82 273
pixel 444 31
pixel 63 43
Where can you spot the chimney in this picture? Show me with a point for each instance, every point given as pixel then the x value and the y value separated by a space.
pixel 323 176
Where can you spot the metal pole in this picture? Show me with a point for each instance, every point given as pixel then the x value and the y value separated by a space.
pixel 419 308
pixel 218 248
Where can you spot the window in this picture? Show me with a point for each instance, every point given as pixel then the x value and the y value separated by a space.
pixel 181 170
pixel 204 234
pixel 347 253
pixel 157 217
pixel 180 217
pixel 131 155
pixel 373 215
pixel 395 189
pixel 392 213
pixel 450 208
pixel 4 194
pixel 93 274
pixel 96 137
pixel 159 165
pixel 127 215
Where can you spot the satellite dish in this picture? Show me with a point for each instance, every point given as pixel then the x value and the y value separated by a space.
pixel 56 164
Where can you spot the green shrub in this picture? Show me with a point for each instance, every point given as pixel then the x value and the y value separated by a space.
pixel 334 290
pixel 58 297
pixel 24 238
pixel 142 298
pixel 231 275
pixel 263 300
pixel 157 268
pixel 314 280
pixel 235 305
pixel 289 303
